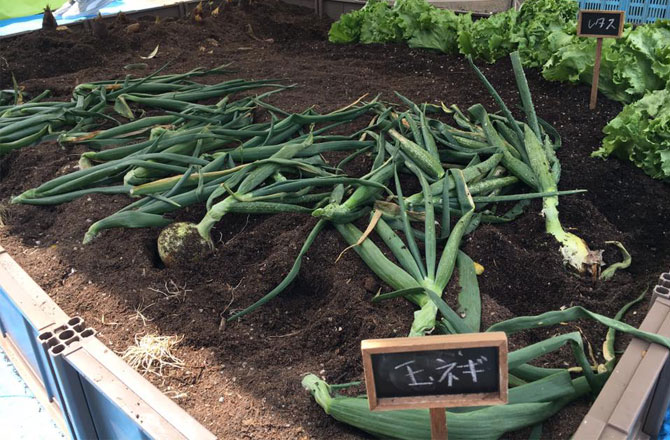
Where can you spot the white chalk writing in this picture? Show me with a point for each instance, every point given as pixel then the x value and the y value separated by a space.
pixel 602 23
pixel 448 371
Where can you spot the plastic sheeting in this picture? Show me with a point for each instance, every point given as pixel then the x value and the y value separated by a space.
pixel 81 8
pixel 23 8
pixel 73 11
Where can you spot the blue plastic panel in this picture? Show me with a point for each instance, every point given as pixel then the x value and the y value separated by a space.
pixel 90 414
pixel 637 11
pixel 109 420
pixel 74 404
pixel 94 401
pixel 21 332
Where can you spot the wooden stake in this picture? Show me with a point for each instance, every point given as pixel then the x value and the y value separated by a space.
pixel 596 74
pixel 438 424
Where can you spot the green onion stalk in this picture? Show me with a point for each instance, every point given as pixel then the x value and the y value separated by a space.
pixel 537 165
pixel 253 180
pixel 419 282
pixel 575 251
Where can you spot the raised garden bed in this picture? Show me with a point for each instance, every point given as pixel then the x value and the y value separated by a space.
pixel 244 379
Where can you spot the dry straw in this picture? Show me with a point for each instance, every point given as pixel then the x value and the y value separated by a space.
pixel 152 353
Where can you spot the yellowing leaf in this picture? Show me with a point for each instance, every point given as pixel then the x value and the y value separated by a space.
pixel 152 54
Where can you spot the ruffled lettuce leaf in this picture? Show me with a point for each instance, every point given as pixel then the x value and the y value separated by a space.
pixel 379 24
pixel 438 29
pixel 412 16
pixel 630 66
pixel 376 22
pixel 573 62
pixel 347 29
pixel 561 10
pixel 641 134
pixel 652 43
pixel 542 27
pixel 489 39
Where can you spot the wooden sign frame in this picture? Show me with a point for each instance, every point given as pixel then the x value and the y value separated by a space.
pixel 498 340
pixel 621 23
pixel 599 46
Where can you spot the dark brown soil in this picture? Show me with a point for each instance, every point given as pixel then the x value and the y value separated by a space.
pixel 243 381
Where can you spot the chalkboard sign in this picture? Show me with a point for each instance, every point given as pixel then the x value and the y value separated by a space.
pixel 436 371
pixel 600 24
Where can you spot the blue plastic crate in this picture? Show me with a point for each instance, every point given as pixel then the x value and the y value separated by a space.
pixel 637 11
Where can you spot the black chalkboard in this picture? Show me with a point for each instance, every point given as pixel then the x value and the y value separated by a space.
pixel 436 372
pixel 602 24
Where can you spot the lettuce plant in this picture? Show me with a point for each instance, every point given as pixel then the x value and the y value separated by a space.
pixel 641 133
